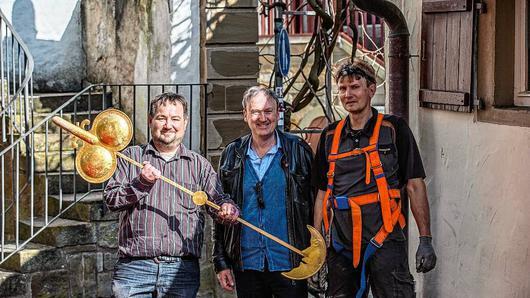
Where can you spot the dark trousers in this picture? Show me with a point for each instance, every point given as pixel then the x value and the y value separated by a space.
pixel 257 284
pixel 388 273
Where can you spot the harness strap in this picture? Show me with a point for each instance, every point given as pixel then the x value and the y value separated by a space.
pixel 331 173
pixel 380 179
pixel 355 206
pixel 375 243
pixel 373 164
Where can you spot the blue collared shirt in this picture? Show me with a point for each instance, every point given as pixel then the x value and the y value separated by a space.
pixel 261 165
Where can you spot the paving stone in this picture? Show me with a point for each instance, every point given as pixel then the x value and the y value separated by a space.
pixel 34 257
pixel 52 142
pixel 50 284
pixel 234 97
pixel 82 268
pixel 223 131
pixel 216 101
pixel 69 250
pixel 65 183
pixel 226 26
pixel 232 62
pixel 107 234
pixel 62 232
pixel 231 3
pixel 89 208
pixel 51 127
pixel 104 284
pixel 109 260
pixel 48 102
pixel 13 284
pixel 55 161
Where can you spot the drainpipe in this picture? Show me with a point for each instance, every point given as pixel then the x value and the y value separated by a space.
pixel 398 66
pixel 398 53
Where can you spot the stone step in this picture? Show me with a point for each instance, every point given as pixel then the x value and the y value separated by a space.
pixel 14 284
pixel 55 161
pixel 65 183
pixel 48 102
pixel 53 141
pixel 62 232
pixel 52 128
pixel 90 208
pixel 33 257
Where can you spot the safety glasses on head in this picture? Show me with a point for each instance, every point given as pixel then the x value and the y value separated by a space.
pixel 350 70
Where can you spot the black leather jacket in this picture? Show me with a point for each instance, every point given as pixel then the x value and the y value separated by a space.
pixel 296 162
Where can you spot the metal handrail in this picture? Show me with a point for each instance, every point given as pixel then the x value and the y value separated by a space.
pixel 16 69
pixel 28 66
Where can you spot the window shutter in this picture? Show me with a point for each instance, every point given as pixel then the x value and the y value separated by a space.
pixel 447 55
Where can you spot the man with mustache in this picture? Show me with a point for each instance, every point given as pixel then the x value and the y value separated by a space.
pixel 267 173
pixel 362 163
pixel 161 229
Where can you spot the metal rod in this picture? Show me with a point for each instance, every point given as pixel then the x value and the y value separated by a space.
pixel 17 193
pixel 3 202
pixel 46 130
pixel 190 125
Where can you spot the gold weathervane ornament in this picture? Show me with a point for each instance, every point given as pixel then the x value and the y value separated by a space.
pixel 96 162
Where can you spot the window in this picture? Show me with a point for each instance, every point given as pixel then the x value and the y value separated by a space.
pixel 503 76
pixel 447 55
pixel 522 54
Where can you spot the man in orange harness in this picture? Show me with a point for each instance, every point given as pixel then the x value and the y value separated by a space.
pixel 361 165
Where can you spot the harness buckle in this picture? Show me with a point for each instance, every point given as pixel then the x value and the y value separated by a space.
pixel 331 175
pixel 375 243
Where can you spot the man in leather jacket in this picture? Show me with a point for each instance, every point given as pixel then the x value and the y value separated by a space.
pixel 267 174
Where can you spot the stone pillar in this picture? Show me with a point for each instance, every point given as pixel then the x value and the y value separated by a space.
pixel 231 67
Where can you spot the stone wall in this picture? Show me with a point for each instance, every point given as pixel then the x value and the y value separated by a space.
pixel 231 67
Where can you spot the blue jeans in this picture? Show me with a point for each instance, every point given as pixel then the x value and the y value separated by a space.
pixel 135 277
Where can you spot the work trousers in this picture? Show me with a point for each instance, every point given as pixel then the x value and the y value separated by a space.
pixel 258 284
pixel 388 273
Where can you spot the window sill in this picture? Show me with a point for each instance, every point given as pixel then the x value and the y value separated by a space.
pixel 506 115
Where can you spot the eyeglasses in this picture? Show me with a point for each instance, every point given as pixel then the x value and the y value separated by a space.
pixel 348 70
pixel 259 194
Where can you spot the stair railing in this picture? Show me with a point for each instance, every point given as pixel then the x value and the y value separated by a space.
pixel 52 173
pixel 16 69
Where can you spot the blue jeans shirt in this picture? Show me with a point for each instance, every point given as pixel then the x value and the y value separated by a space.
pixel 269 215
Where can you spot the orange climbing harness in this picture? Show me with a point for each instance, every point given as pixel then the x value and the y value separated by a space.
pixel 389 199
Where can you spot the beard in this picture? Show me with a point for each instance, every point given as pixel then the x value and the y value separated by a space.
pixel 169 140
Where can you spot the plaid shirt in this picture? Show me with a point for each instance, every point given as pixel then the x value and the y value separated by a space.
pixel 157 219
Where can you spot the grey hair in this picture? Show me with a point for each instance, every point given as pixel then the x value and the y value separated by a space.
pixel 254 91
pixel 167 97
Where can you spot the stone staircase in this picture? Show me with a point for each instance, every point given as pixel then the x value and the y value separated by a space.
pixel 74 256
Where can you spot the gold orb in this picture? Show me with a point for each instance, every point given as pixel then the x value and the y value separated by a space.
pixel 95 164
pixel 199 198
pixel 113 129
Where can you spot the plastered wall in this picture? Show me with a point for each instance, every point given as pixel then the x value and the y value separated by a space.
pixel 478 184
